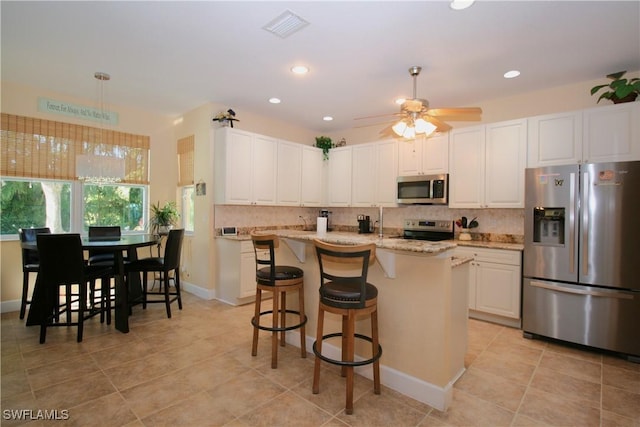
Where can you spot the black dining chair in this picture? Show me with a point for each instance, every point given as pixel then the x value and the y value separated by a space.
pixel 62 264
pixel 30 262
pixel 169 263
pixel 103 257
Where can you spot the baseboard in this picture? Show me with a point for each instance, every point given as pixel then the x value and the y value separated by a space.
pixel 206 294
pixel 9 306
pixel 420 390
pixel 501 320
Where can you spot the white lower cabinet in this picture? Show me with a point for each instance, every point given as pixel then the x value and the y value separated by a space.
pixel 236 271
pixel 494 284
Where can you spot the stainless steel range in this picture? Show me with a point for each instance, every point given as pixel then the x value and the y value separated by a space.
pixel 428 229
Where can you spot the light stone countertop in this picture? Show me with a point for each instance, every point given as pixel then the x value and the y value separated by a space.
pixel 387 242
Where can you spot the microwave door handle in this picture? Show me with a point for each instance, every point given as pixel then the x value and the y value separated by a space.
pixel 572 222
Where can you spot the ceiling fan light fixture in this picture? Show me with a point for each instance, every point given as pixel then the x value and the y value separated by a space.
pixel 460 4
pixel 423 126
pixel 409 132
pixel 399 128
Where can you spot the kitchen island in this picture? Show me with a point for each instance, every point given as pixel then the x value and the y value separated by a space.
pixel 422 310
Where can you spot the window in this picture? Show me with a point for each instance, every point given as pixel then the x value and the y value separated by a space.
pixel 48 203
pixel 185 180
pixel 121 205
pixel 187 214
pixel 39 183
pixel 30 203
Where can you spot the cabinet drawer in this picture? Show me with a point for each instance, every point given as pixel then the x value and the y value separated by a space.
pixel 499 256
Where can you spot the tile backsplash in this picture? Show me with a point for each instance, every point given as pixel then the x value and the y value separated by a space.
pixel 491 221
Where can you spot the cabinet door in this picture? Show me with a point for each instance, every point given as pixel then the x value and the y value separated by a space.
pixel 289 173
pixel 506 145
pixel 466 163
pixel 339 177
pixel 313 177
pixel 555 139
pixel 410 157
pixel 264 170
pixel 386 173
pixel 435 154
pixel 498 289
pixel 363 184
pixel 612 133
pixel 239 170
pixel 247 274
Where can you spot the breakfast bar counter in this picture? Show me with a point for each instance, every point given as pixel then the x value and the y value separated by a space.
pixel 422 310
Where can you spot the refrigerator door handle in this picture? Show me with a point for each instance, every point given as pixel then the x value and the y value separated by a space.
pixel 572 222
pixel 559 288
pixel 586 187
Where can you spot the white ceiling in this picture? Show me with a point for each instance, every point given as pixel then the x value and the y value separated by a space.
pixel 171 57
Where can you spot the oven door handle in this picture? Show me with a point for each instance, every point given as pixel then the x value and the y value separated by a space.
pixel 601 293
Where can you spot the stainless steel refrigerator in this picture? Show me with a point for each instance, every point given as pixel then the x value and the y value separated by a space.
pixel 581 262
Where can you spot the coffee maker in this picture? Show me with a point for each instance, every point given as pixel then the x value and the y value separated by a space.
pixel 325 213
pixel 364 224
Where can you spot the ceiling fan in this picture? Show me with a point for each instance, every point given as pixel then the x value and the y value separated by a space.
pixel 415 116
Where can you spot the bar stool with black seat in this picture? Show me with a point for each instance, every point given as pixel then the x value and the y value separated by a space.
pixel 166 264
pixel 344 291
pixel 62 264
pixel 280 280
pixel 30 262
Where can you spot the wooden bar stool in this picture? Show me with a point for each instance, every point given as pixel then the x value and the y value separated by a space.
pixel 349 296
pixel 279 279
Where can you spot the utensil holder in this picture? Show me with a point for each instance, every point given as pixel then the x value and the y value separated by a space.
pixel 464 234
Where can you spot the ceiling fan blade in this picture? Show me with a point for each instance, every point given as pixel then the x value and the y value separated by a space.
pixel 373 124
pixel 378 115
pixel 469 113
pixel 388 132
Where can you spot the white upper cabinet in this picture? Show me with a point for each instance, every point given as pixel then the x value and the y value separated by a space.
pixel 339 176
pixel 612 133
pixel 555 139
pixel 245 171
pixel 374 172
pixel 313 177
pixel 289 173
pixel 466 163
pixel 424 156
pixel 487 165
pixel 600 134
pixel 506 153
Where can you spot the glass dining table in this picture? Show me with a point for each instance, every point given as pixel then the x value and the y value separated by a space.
pixel 125 291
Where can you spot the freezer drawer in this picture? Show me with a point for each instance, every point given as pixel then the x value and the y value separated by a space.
pixel 597 317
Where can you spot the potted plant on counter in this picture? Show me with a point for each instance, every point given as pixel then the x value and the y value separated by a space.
pixel 163 218
pixel 619 90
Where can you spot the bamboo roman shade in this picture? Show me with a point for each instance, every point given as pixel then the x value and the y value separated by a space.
pixel 38 148
pixel 185 160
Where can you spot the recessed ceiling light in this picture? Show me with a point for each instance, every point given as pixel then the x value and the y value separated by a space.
pixel 274 100
pixel 300 69
pixel 460 4
pixel 327 118
pixel 511 74
pixel 400 101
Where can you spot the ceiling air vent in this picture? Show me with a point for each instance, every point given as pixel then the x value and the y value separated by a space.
pixel 285 24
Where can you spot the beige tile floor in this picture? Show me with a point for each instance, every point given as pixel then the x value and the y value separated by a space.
pixel 196 370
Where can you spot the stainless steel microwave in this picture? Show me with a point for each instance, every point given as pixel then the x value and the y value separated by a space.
pixel 423 189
